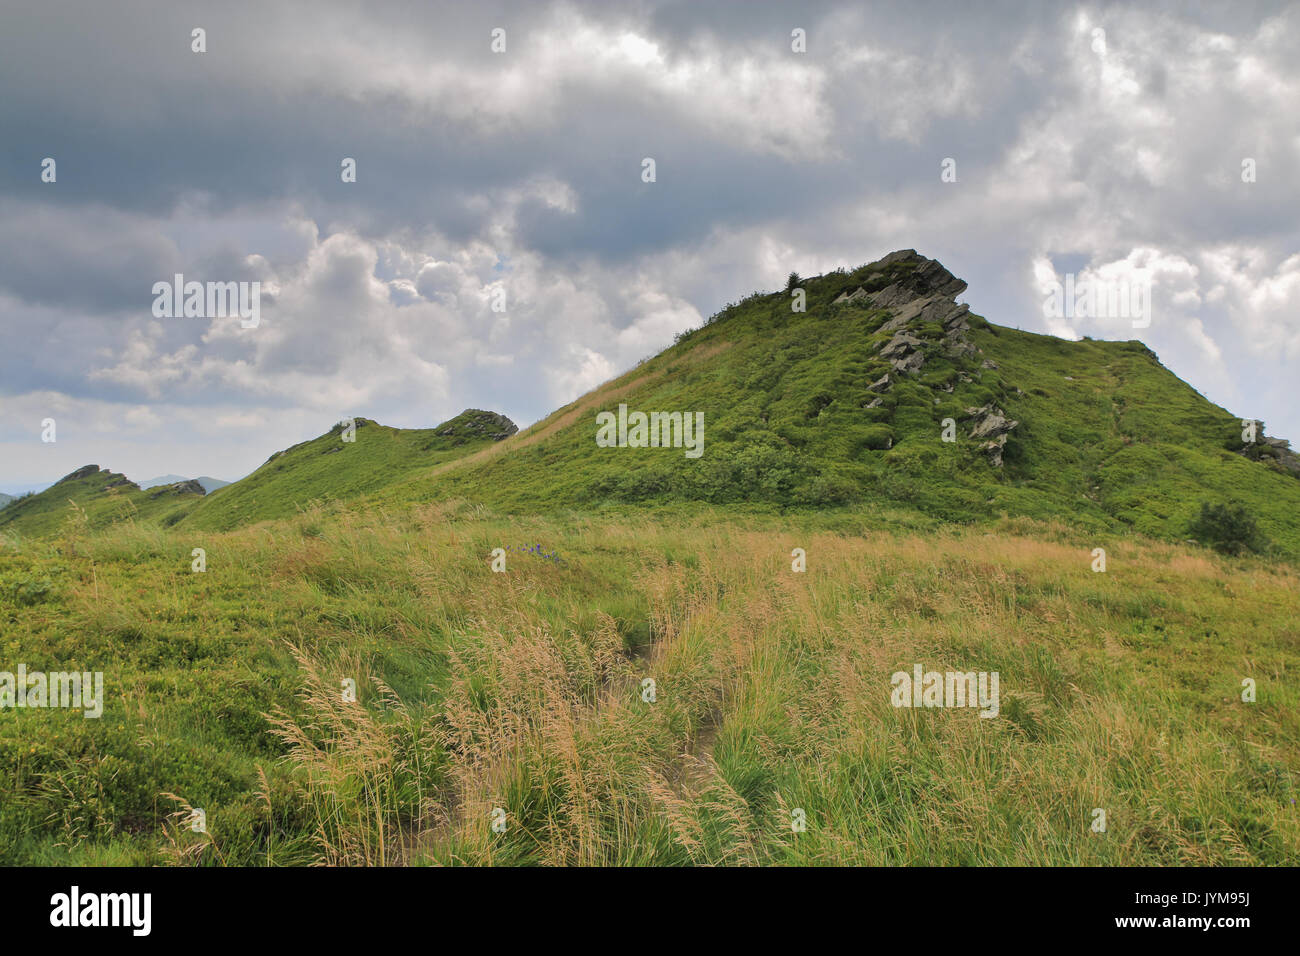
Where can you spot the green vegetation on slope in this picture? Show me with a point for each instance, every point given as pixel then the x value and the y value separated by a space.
pixel 327 468
pixel 330 468
pixel 1107 437
pixel 523 690
pixel 96 499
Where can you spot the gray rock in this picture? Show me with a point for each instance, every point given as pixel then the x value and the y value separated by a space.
pixel 892 296
pixel 956 318
pixel 960 348
pixel 190 487
pixel 881 384
pixel 994 450
pixel 909 364
pixel 901 344
pixel 989 422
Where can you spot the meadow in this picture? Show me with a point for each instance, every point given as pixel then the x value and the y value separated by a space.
pixel 503 718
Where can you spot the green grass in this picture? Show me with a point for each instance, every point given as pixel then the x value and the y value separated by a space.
pixel 331 469
pixel 328 468
pixel 521 690
pixel 97 499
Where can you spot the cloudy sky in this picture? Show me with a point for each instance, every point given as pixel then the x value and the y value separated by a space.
pixel 1100 140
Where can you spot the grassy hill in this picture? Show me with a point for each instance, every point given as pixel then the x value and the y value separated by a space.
pixel 91 498
pixel 1105 438
pixel 341 466
pixel 327 468
pixel 207 483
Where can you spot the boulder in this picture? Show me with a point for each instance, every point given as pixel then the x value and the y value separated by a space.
pixel 959 347
pixel 909 364
pixel 901 344
pixel 989 422
pixel 994 450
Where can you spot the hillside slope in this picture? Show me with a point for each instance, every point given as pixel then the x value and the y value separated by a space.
pixel 333 467
pixel 846 403
pixel 95 498
pixel 324 468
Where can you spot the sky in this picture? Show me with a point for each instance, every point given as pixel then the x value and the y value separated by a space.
pixel 500 247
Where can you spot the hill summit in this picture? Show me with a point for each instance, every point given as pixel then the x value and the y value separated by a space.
pixel 885 393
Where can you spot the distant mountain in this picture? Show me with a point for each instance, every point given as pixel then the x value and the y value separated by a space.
pixel 209 484
pixel 164 480
pixel 339 465
pixel 5 499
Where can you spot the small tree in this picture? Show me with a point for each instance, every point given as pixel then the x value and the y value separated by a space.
pixel 792 281
pixel 1228 529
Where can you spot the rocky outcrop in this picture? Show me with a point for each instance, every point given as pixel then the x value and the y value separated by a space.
pixel 476 423
pixel 1272 451
pixel 190 487
pixel 919 294
pixel 901 344
pixel 83 472
pixel 844 297
pixel 991 425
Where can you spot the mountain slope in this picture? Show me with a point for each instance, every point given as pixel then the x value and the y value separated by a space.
pixel 846 404
pixel 5 499
pixel 97 498
pixel 334 467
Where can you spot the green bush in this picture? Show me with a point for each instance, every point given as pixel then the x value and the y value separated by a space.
pixel 1228 529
